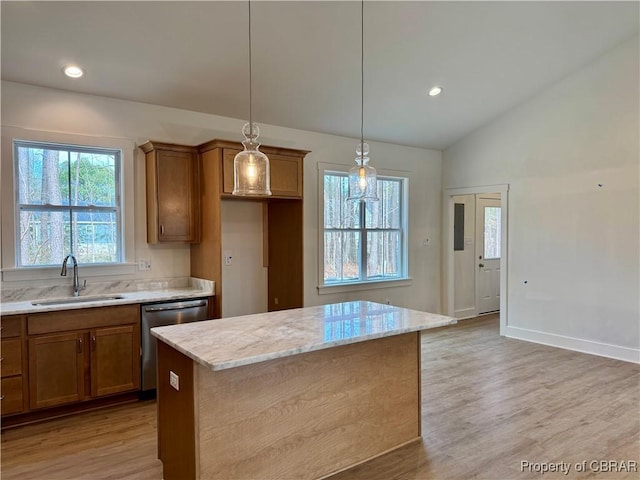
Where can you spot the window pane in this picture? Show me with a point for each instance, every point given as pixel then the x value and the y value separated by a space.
pixel 385 213
pixel 383 255
pixel 96 237
pixel 338 213
pixel 43 176
pixel 492 232
pixel 341 256
pixel 93 178
pixel 44 237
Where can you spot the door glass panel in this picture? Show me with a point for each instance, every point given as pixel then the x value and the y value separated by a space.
pixel 492 230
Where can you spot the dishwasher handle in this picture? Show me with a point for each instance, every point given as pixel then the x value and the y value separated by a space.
pixel 176 306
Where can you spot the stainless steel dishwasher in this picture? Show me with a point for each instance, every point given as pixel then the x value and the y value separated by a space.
pixel 159 315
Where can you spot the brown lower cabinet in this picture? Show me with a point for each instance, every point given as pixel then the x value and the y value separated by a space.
pixel 61 364
pixel 69 357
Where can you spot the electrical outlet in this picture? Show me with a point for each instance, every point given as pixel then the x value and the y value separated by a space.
pixel 228 257
pixel 144 264
pixel 174 380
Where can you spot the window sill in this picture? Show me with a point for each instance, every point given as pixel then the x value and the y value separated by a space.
pixel 48 273
pixel 354 287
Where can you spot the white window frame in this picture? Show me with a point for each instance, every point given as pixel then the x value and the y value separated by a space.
pixel 10 271
pixel 404 278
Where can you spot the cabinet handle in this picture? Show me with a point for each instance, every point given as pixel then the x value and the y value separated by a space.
pixel 161 229
pixel 1 397
pixel 93 343
pixel 1 359
pixel 79 345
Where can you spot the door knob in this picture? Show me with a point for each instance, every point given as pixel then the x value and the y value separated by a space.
pixel 481 265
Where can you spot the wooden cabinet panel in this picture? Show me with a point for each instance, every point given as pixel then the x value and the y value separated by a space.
pixel 173 196
pixel 286 176
pixel 11 398
pixel 227 169
pixel 115 360
pixel 56 369
pixel 13 365
pixel 285 172
pixel 11 357
pixel 11 326
pixel 176 212
pixel 82 319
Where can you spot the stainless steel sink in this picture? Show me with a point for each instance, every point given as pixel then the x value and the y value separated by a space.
pixel 63 301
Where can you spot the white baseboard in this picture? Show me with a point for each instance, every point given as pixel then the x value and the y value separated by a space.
pixel 576 344
pixel 465 313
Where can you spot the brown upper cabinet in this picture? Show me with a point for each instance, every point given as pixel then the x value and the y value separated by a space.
pixel 285 171
pixel 173 193
pixel 282 221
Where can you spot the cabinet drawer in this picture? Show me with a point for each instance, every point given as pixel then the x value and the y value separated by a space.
pixel 82 319
pixel 11 400
pixel 11 357
pixel 11 326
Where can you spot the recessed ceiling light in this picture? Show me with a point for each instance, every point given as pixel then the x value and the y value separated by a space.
pixel 435 91
pixel 73 71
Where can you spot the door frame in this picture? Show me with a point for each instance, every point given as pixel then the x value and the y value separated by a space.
pixel 447 254
pixel 477 216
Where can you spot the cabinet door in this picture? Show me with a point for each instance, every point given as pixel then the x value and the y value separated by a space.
pixel 115 360
pixel 11 359
pixel 56 369
pixel 177 220
pixel 285 174
pixel 11 395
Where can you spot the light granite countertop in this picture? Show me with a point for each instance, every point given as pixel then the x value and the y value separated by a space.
pixel 236 341
pixel 99 295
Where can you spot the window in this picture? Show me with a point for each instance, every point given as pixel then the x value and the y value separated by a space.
pixel 363 242
pixel 492 232
pixel 68 201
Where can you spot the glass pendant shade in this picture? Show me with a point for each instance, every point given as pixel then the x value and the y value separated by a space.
pixel 251 176
pixel 362 177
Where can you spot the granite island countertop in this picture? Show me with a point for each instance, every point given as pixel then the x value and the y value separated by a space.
pixel 101 298
pixel 236 341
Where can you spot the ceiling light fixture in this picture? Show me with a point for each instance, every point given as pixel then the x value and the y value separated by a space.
pixel 73 71
pixel 251 175
pixel 362 177
pixel 435 91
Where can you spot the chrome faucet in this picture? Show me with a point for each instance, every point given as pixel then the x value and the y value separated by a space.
pixel 76 281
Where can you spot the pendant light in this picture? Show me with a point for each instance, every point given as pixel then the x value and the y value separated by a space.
pixel 362 177
pixel 251 176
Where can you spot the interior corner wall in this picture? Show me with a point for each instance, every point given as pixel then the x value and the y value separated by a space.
pixel 30 107
pixel 570 156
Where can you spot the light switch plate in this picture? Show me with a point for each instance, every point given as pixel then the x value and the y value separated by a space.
pixel 174 380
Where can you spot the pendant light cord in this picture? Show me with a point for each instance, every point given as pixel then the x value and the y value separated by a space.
pixel 250 96
pixel 362 79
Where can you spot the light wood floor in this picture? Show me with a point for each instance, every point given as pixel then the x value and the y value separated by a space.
pixel 488 404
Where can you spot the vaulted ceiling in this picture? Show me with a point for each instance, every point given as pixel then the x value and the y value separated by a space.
pixel 488 57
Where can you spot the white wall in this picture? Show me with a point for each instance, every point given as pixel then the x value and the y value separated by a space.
pixel 52 110
pixel 244 282
pixel 573 245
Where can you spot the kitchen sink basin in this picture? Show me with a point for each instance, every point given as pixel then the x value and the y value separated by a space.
pixel 71 300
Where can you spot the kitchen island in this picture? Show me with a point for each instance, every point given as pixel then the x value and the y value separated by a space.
pixel 300 393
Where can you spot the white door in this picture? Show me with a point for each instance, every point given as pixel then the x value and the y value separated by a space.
pixel 488 245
